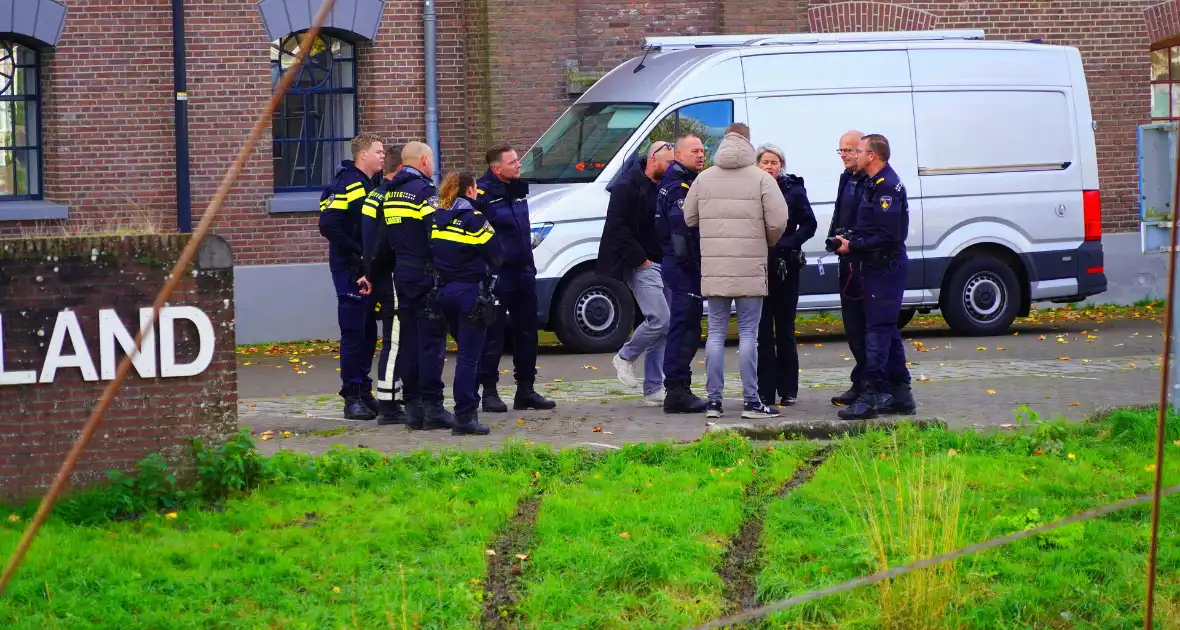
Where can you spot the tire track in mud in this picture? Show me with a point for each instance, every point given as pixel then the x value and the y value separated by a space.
pixel 741 563
pixel 502 586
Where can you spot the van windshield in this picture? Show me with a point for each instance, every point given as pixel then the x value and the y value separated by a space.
pixel 582 142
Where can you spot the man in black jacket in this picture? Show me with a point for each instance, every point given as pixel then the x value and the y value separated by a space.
pixel 630 251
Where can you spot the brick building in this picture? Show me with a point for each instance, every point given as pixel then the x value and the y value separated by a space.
pixel 88 134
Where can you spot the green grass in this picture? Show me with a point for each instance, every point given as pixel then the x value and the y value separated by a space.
pixel 355 539
pixel 636 544
pixel 1087 576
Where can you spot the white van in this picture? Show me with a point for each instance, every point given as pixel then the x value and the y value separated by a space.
pixel 994 141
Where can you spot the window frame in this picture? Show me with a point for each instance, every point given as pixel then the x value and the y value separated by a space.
pixel 646 142
pixel 36 100
pixel 308 140
pixel 1172 80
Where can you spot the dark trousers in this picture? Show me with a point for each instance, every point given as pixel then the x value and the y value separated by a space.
pixel 422 343
pixel 387 361
pixel 684 338
pixel 852 311
pixel 358 335
pixel 778 356
pixel 520 299
pixel 884 347
pixel 457 299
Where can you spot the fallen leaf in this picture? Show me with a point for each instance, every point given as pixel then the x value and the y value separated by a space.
pixel 819 345
pixel 596 430
pixel 1072 456
pixel 1149 468
pixel 882 456
pixel 922 378
pixel 266 435
pixel 558 380
pixel 490 552
pixel 505 371
pixel 1041 338
pixel 952 452
pixel 520 421
pixel 301 372
pixel 1001 348
pixel 1062 358
pixel 335 589
pixel 522 556
pixel 248 363
pixel 991 392
pixel 702 362
pixel 286 434
pixel 624 535
pixel 252 405
pixel 13 518
pixel 292 360
pixel 1039 452
pixel 589 367
pixel 1074 404
pixel 171 516
pixel 981 348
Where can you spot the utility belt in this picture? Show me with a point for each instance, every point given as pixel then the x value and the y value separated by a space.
pixel 424 266
pixel 879 258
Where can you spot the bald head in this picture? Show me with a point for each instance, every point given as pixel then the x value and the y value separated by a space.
pixel 419 156
pixel 659 156
pixel 848 143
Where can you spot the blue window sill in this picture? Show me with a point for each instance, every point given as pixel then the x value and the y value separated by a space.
pixel 32 211
pixel 294 202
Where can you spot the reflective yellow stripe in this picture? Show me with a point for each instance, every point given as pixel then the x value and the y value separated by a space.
pixel 372 206
pixel 354 194
pixel 408 210
pixel 458 236
pixel 685 185
pixel 338 204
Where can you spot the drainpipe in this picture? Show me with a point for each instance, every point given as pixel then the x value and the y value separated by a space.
pixel 429 27
pixel 184 210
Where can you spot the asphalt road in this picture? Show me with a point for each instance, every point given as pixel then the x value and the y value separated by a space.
pixel 1063 364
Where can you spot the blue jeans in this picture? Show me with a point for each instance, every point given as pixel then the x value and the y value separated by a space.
pixel 647 285
pixel 749 314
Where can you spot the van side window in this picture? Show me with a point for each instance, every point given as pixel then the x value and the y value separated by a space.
pixel 707 120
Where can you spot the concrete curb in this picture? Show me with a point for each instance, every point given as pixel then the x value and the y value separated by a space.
pixel 820 429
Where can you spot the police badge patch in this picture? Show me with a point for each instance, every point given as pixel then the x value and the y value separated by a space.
pixel 435 203
pixel 886 202
pixel 680 203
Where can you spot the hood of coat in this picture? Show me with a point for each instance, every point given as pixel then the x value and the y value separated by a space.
pixel 734 152
pixel 461 203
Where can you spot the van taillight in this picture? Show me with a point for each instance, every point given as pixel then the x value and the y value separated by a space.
pixel 1092 214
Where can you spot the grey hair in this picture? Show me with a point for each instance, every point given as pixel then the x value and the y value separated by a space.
pixel 765 148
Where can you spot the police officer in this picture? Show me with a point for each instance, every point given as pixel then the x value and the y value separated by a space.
pixel 503 198
pixel 851 297
pixel 409 204
pixel 778 356
pixel 465 248
pixel 340 223
pixel 379 270
pixel 681 270
pixel 878 249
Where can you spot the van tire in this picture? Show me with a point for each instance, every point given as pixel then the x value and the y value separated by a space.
pixel 904 319
pixel 982 297
pixel 593 314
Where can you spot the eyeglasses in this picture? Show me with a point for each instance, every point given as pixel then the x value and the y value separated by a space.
pixel 843 151
pixel 662 147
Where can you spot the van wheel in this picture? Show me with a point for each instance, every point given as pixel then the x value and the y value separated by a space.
pixel 593 314
pixel 905 318
pixel 982 297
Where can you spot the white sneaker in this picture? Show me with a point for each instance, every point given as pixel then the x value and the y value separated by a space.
pixel 654 399
pixel 626 370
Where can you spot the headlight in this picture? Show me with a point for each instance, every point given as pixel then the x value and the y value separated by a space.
pixel 540 231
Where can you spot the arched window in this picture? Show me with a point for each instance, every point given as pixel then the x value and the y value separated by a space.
pixel 317 117
pixel 20 123
pixel 1165 82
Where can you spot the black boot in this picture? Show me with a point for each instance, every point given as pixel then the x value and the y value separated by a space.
pixel 528 398
pixel 416 418
pixel 370 402
pixel 901 402
pixel 437 416
pixel 469 425
pixel 847 398
pixel 356 409
pixel 682 400
pixel 391 413
pixel 865 407
pixel 491 400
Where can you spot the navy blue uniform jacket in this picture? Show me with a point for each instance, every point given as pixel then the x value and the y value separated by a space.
pixel 506 206
pixel 883 218
pixel 379 256
pixel 801 223
pixel 465 245
pixel 409 204
pixel 340 217
pixel 681 263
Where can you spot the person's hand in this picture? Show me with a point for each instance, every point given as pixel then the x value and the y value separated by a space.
pixel 644 265
pixel 365 285
pixel 843 249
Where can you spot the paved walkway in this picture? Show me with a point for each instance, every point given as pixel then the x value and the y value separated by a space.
pixel 1070 370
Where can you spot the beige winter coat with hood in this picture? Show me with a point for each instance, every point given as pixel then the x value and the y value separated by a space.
pixel 741 213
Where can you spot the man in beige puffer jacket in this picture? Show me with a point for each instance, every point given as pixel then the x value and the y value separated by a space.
pixel 740 213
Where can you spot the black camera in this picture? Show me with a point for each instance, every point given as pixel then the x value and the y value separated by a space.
pixel 833 243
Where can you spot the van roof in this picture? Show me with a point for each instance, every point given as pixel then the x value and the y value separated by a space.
pixel 666 60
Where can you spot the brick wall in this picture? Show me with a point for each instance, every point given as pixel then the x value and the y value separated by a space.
pixel 40 278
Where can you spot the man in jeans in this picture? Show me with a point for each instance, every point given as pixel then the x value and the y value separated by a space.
pixel 630 251
pixel 740 213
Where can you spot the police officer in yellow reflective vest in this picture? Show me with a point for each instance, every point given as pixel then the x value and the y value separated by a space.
pixel 465 248
pixel 379 262
pixel 340 223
